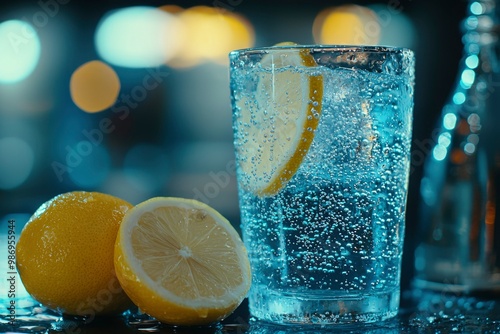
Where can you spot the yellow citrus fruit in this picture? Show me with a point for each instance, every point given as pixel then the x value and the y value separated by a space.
pixel 65 254
pixel 280 119
pixel 181 262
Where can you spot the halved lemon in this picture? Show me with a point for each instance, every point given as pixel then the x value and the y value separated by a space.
pixel 181 262
pixel 279 122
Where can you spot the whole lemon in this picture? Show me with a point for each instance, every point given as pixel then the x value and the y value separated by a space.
pixel 65 254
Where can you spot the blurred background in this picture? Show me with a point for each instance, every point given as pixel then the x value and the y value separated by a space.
pixel 131 98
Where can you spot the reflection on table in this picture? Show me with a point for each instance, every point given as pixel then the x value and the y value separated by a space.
pixel 420 312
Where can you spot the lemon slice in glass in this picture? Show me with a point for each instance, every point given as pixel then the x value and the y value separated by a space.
pixel 280 120
pixel 181 262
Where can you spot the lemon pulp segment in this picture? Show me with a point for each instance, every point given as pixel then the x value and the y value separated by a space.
pixel 181 261
pixel 279 123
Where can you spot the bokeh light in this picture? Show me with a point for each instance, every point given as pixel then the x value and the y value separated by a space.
pixel 210 34
pixel 19 50
pixel 476 8
pixel 346 25
pixel 17 159
pixel 469 148
pixel 138 37
pixel 467 78
pixel 357 25
pixel 458 98
pixel 472 61
pixel 444 139
pixel 171 35
pixel 449 121
pixel 171 9
pixel 94 86
pixel 458 156
pixel 439 152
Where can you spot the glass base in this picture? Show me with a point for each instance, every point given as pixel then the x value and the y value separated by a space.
pixel 322 308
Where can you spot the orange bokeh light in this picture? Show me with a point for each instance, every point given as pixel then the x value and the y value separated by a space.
pixel 94 86
pixel 347 25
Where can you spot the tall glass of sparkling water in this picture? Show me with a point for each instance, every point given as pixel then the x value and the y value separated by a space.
pixel 322 140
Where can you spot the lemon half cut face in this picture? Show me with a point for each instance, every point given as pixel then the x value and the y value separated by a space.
pixel 181 262
pixel 277 124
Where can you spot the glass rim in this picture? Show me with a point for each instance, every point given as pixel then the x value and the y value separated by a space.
pixel 323 48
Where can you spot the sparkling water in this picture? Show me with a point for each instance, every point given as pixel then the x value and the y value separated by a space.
pixel 327 247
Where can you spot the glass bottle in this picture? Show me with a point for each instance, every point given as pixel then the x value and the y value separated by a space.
pixel 459 247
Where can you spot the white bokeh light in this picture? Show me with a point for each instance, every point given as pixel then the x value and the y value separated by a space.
pixel 137 37
pixel 449 121
pixel 19 50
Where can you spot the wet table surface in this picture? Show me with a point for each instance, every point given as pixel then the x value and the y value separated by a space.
pixel 420 312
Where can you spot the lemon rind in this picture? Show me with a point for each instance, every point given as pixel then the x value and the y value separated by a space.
pixel 135 271
pixel 308 121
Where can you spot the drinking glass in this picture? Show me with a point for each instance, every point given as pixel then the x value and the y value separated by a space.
pixel 322 141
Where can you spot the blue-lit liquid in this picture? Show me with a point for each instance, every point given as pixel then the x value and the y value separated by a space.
pixel 327 247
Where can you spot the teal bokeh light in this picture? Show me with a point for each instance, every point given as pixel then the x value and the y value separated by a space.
pixel 19 50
